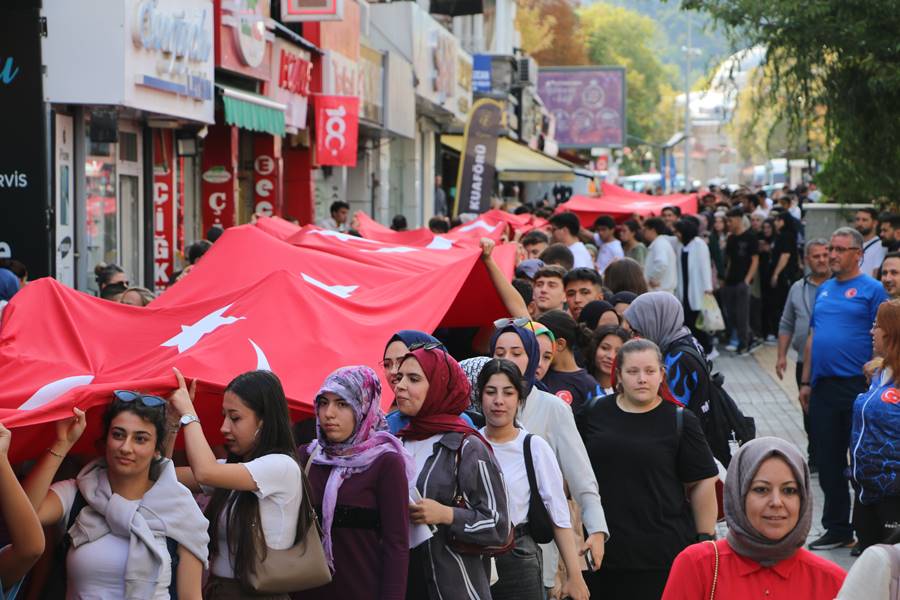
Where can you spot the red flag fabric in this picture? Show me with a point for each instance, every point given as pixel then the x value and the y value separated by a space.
pixel 464 236
pixel 280 228
pixel 621 204
pixel 300 309
pixel 337 125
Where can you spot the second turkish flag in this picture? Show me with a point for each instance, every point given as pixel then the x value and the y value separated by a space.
pixel 337 128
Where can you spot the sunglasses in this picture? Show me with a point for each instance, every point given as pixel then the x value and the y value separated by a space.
pixel 145 399
pixel 517 321
pixel 426 346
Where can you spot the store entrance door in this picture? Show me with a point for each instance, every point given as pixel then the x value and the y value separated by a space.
pixel 131 231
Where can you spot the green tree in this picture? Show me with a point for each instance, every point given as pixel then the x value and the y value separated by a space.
pixel 837 57
pixel 618 36
pixel 566 45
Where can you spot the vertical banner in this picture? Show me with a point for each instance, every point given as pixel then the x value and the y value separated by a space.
pixel 217 172
pixel 477 166
pixel 64 190
pixel 266 169
pixel 164 203
pixel 337 130
pixel 24 189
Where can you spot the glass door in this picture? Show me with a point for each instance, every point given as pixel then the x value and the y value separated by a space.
pixel 131 230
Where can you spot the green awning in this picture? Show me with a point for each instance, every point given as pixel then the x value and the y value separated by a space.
pixel 252 111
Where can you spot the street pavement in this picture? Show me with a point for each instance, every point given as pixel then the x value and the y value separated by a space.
pixel 751 381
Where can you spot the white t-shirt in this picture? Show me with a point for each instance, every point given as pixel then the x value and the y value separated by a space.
pixel 581 255
pixel 280 490
pixel 511 457
pixel 420 450
pixel 873 256
pixel 96 570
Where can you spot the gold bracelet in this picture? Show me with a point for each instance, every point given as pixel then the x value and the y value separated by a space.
pixel 56 454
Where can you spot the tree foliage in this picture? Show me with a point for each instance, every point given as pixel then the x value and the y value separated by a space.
pixel 536 29
pixel 842 56
pixel 618 36
pixel 567 43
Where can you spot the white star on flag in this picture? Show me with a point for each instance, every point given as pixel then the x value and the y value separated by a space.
pixel 344 237
pixel 341 291
pixel 191 334
pixel 440 243
pixel 476 224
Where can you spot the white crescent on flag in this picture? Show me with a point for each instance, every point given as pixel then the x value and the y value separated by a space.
pixel 55 389
pixel 262 363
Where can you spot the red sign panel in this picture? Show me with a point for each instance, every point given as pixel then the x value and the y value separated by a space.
pixel 266 171
pixel 337 126
pixel 164 204
pixel 218 176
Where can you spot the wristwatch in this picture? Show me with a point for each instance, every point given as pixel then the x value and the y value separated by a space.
pixel 187 419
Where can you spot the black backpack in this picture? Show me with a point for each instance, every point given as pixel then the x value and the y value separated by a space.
pixel 540 525
pixel 55 587
pixel 725 422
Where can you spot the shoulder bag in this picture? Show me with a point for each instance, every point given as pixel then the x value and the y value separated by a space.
pixel 540 525
pixel 302 566
pixel 459 501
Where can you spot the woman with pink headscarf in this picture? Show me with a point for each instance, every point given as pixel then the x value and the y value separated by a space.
pixel 358 475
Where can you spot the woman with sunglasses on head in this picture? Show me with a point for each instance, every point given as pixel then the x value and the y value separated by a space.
pixel 565 377
pixel 358 478
pixel 133 530
pixel 502 391
pixel 260 481
pixel 549 417
pixel 655 472
pixel 462 496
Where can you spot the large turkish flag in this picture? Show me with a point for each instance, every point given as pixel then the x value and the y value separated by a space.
pixel 301 309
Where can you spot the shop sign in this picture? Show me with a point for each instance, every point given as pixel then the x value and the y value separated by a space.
pixel 265 177
pixel 24 190
pixel 180 42
pixel 477 167
pixel 481 74
pixel 218 177
pixel 435 57
pixel 164 204
pixel 337 128
pixel 588 104
pixel 298 11
pixel 371 84
pixel 444 66
pixel 464 72
pixel 290 81
pixel 245 41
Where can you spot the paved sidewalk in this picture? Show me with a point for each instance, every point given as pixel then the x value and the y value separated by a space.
pixel 751 381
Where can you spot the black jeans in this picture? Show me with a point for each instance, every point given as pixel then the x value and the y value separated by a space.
pixel 875 523
pixel 737 309
pixel 830 413
pixel 519 571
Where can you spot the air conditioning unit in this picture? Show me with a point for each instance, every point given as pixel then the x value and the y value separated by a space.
pixel 526 73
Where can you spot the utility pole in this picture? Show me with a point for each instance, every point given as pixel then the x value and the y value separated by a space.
pixel 687 105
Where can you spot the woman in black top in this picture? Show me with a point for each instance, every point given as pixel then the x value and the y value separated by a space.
pixel 656 476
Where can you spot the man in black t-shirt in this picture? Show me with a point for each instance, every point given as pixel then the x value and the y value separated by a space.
pixel 742 261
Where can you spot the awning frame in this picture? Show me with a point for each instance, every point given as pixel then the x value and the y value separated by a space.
pixel 255 100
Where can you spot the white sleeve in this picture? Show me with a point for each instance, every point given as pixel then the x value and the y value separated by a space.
pixel 66 491
pixel 550 482
pixel 277 476
pixel 208 489
pixel 870 576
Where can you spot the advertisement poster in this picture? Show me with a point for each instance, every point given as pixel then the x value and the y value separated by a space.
pixel 337 127
pixel 164 203
pixel 217 177
pixel 588 103
pixel 477 169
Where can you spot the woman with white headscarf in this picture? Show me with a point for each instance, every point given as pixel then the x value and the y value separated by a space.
pixel 768 508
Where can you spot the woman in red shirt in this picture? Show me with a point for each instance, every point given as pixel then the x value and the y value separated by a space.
pixel 768 508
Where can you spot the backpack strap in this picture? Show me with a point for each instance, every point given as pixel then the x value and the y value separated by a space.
pixel 679 426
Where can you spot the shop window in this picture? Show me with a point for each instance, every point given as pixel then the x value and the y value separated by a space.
pixel 101 231
pixel 128 146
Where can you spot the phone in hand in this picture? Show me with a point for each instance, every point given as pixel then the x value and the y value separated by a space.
pixel 589 559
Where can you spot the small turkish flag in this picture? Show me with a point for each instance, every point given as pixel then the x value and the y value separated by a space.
pixel 337 129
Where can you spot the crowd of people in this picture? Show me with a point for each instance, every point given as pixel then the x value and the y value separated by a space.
pixel 580 447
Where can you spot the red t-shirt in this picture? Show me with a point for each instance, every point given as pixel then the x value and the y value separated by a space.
pixel 804 575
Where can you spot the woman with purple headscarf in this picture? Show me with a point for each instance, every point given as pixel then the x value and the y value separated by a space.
pixel 358 475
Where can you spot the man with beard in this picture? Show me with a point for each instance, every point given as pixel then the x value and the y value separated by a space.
pixel 890 274
pixel 889 231
pixel 866 223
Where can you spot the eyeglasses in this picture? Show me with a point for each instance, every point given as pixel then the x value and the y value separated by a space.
pixel 840 250
pixel 145 399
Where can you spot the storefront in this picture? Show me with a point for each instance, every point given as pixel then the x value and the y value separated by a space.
pixel 126 109
pixel 441 102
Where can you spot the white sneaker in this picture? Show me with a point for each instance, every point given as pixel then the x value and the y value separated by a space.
pixel 714 354
pixel 731 347
pixel 771 340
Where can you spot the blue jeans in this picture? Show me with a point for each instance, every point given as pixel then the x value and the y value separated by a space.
pixel 830 414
